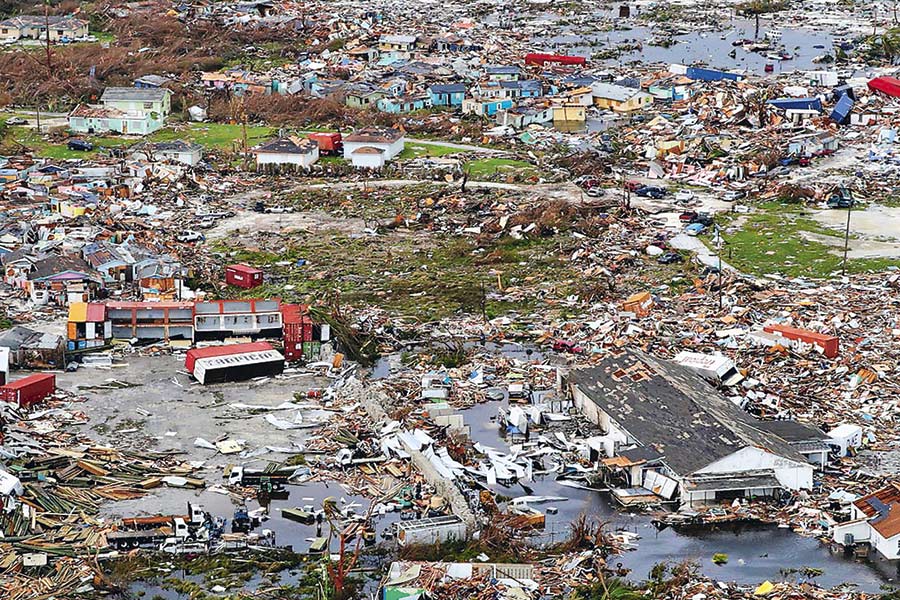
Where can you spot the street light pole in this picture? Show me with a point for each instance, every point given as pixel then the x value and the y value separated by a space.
pixel 846 240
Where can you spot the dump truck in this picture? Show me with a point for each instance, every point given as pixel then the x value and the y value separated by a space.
pixel 248 476
pixel 156 530
pixel 330 144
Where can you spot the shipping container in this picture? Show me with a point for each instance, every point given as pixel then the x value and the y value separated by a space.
pixel 329 143
pixel 447 528
pixel 29 390
pixel 886 85
pixel 842 109
pixel 238 367
pixel 311 351
pixel 194 354
pixel 538 58
pixel 243 276
pixel 811 103
pixel 828 344
pixel 711 74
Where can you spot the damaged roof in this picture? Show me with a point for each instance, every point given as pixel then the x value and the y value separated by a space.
pixel 700 426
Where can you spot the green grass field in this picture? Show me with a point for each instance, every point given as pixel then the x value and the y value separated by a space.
pixel 771 241
pixel 417 150
pixel 487 167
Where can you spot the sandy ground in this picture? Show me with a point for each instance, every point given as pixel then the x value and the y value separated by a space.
pixel 180 411
pixel 877 231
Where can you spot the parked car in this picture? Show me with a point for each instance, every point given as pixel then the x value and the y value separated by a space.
pixel 190 236
pixel 709 270
pixel 594 192
pixel 732 195
pixel 695 229
pixel 704 219
pixel 669 258
pixel 688 216
pixel 804 161
pixel 566 346
pixel 16 121
pixel 651 192
pixel 818 153
pixel 80 145
pixel 684 196
pixel 633 186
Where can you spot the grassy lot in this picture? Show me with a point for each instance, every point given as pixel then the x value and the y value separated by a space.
pixel 414 150
pixel 487 167
pixel 219 136
pixel 213 136
pixel 770 241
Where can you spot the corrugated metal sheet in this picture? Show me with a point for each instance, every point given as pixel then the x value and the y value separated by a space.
pixel 842 109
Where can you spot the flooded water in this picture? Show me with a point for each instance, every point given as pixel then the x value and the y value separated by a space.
pixel 711 48
pixel 755 553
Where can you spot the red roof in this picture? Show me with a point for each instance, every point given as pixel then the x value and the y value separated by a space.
pixel 195 354
pixel 886 85
pixel 247 270
pixel 884 505
pixel 149 305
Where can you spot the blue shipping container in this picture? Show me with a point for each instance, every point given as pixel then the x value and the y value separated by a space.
pixel 797 103
pixel 842 109
pixel 712 74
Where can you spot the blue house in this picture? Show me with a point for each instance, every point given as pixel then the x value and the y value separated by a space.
pixel 502 72
pixel 447 94
pixel 527 88
pixel 485 107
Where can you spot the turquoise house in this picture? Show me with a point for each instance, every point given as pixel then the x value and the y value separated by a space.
pixel 451 94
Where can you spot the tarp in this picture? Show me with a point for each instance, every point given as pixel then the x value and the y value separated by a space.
pixel 810 103
pixel 842 109
pixel 886 85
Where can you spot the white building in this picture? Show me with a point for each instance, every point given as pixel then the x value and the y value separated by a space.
pixel 874 520
pixel 380 146
pixel 287 151
pixel 709 447
pixel 175 151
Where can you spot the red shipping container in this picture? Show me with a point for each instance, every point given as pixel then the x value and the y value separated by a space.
pixel 538 58
pixel 243 276
pixel 293 350
pixel 194 354
pixel 293 332
pixel 29 390
pixel 828 343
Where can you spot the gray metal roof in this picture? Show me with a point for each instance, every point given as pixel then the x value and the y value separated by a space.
pixel 132 94
pixel 674 410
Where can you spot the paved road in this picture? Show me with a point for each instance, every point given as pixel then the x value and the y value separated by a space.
pixel 683 241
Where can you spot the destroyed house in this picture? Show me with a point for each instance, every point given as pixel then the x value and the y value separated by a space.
pixel 874 520
pixel 709 448
pixel 57 28
pixel 62 279
pixel 287 151
pixel 29 349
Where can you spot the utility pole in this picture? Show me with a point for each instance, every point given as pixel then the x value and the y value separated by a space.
pixel 47 36
pixel 846 239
